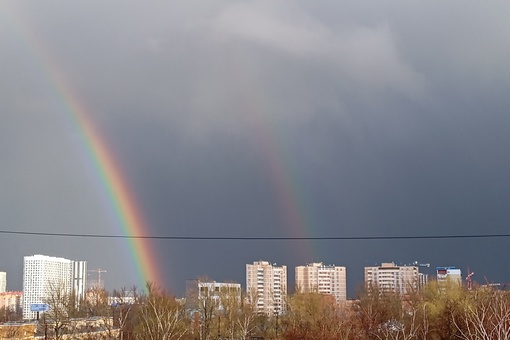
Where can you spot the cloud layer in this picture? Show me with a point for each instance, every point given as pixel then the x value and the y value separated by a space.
pixel 361 118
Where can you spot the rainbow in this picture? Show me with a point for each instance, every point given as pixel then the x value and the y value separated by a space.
pixel 108 172
pixel 122 200
pixel 287 191
pixel 115 187
pixel 296 217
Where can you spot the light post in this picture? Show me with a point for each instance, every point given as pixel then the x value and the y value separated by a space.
pixel 219 326
pixel 276 312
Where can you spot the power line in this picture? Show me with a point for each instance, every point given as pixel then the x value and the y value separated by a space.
pixel 255 238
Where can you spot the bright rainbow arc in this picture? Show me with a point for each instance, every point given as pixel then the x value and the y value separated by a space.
pixel 108 172
pixel 122 201
pixel 126 210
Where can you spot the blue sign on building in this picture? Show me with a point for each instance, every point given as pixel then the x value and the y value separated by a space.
pixel 39 307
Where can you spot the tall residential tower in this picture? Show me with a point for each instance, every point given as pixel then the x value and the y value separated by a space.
pixel 42 274
pixel 266 286
pixel 392 278
pixel 322 279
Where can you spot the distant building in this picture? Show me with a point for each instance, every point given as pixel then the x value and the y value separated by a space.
pixel 79 277
pixel 423 279
pixel 322 279
pixel 3 282
pixel 42 274
pixel 266 286
pixel 392 278
pixel 217 293
pixel 452 274
pixel 11 301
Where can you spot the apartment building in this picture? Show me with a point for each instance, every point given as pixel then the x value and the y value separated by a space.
pixel 11 301
pixel 452 274
pixel 392 278
pixel 42 274
pixel 322 279
pixel 266 286
pixel 3 282
pixel 199 293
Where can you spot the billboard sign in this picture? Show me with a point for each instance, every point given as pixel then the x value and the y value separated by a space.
pixel 39 307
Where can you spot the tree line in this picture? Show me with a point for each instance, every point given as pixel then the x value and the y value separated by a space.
pixel 438 311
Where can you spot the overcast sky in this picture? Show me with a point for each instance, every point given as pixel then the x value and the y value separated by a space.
pixel 260 118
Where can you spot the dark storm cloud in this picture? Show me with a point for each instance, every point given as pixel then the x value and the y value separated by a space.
pixel 387 118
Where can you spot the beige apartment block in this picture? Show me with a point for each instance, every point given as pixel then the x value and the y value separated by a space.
pixel 266 287
pixel 392 278
pixel 323 279
pixel 11 301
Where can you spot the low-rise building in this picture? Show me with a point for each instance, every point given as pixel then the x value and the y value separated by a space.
pixel 217 294
pixel 11 301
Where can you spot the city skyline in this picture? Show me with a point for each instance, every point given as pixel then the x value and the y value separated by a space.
pixel 318 277
pixel 232 120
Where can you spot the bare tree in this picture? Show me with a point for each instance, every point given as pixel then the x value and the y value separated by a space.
pixel 486 315
pixel 124 306
pixel 61 305
pixel 97 306
pixel 443 303
pixel 375 310
pixel 246 319
pixel 161 316
pixel 314 316
pixel 205 303
pixel 10 313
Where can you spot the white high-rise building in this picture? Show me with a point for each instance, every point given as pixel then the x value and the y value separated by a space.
pixel 79 277
pixel 322 279
pixel 42 274
pixel 392 278
pixel 266 286
pixel 3 282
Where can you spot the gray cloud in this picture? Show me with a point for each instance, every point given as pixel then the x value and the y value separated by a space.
pixel 384 119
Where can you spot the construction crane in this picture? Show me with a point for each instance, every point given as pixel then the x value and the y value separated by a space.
pixel 415 263
pixel 98 271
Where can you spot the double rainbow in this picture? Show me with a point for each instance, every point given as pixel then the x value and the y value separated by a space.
pixel 107 170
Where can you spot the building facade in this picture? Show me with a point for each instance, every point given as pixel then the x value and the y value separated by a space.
pixel 452 274
pixel 392 278
pixel 43 274
pixel 266 287
pixel 199 293
pixel 79 279
pixel 11 301
pixel 322 279
pixel 3 282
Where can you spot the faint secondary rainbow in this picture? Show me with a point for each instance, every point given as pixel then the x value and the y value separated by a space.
pixel 107 170
pixel 296 217
pixel 287 189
